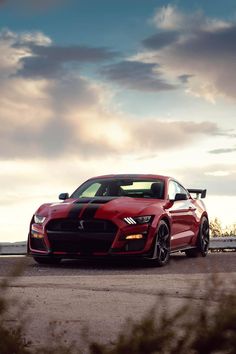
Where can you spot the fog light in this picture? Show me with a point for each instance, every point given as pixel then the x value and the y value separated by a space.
pixel 36 235
pixel 134 237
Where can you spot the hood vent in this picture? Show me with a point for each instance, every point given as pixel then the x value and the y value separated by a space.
pixel 102 200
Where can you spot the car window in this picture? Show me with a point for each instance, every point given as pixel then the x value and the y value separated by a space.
pixel 175 187
pixel 171 190
pixel 180 189
pixel 91 190
pixel 117 187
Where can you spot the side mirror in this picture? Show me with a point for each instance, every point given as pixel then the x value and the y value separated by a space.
pixel 180 196
pixel 63 196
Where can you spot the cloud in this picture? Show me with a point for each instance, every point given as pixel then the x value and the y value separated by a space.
pixel 162 135
pixel 136 75
pixel 161 40
pixel 32 54
pixel 222 151
pixel 170 18
pixel 50 60
pixel 68 115
pixel 201 48
pixel 184 78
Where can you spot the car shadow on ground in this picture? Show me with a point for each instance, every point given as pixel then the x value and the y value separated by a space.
pixel 178 264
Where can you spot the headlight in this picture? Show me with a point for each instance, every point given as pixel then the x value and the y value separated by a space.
pixel 39 219
pixel 138 220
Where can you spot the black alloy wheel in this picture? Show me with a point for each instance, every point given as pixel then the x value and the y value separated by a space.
pixel 203 240
pixel 161 252
pixel 203 237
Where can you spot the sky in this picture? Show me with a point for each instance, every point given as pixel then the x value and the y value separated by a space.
pixel 92 87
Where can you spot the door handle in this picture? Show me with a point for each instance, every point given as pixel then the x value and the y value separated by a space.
pixel 192 208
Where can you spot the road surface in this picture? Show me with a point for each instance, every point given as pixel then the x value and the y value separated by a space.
pixel 101 295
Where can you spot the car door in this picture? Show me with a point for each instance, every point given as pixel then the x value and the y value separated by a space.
pixel 182 213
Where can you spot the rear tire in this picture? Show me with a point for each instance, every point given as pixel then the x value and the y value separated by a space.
pixel 161 253
pixel 202 241
pixel 47 260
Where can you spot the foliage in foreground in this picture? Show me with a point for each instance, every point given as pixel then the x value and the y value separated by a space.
pixel 198 327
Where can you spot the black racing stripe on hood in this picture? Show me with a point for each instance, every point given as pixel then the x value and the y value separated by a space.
pixel 93 204
pixel 90 211
pixel 75 210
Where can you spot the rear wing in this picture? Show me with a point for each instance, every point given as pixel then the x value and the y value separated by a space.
pixel 200 193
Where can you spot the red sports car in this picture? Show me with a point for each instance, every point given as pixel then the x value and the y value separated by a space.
pixel 122 215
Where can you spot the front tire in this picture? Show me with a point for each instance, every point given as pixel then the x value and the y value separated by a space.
pixel 203 241
pixel 161 253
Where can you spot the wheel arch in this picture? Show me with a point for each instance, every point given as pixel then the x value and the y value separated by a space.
pixel 167 221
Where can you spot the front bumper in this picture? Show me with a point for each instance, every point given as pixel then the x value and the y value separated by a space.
pixel 46 240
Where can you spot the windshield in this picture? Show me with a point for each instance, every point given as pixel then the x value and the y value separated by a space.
pixel 133 188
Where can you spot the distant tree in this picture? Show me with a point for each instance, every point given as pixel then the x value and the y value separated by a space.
pixel 230 230
pixel 216 228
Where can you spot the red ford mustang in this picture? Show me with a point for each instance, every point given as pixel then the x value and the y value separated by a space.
pixel 122 215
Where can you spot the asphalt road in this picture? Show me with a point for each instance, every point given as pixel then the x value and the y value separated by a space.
pixel 101 295
pixel 222 262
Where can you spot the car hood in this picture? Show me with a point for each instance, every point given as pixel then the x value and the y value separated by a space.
pixel 102 208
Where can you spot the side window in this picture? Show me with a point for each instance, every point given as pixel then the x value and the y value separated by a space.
pixel 171 190
pixel 175 187
pixel 181 189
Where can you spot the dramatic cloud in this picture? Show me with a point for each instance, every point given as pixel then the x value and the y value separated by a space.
pixel 194 47
pixel 69 115
pixel 32 54
pixel 135 75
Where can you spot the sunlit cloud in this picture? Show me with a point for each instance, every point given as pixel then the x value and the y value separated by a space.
pixel 170 18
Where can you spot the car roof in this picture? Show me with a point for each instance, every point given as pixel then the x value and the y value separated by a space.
pixel 141 176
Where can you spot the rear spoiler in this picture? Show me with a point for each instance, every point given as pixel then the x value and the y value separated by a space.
pixel 198 192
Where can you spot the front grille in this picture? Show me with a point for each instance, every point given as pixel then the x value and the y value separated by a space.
pixel 37 244
pixel 72 236
pixel 73 225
